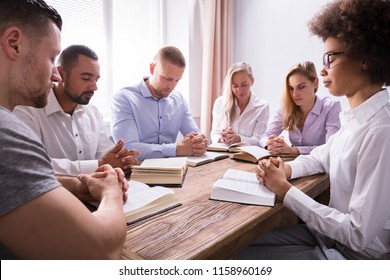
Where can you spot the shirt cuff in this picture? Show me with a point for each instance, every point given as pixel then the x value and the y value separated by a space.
pixel 299 202
pixel 169 150
pixel 88 166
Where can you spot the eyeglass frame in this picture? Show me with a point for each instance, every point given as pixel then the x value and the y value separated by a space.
pixel 326 56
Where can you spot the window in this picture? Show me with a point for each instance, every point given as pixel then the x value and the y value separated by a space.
pixel 125 34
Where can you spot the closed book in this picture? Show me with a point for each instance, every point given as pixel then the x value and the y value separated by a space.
pixel 167 172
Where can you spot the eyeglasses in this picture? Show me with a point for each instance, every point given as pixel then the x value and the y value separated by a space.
pixel 326 57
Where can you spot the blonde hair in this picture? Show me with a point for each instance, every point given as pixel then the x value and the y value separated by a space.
pixel 292 114
pixel 171 54
pixel 228 111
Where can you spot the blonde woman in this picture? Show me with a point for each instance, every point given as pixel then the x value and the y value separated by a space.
pixel 239 115
pixel 309 119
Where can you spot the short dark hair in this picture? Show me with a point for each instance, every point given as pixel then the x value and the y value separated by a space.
pixel 171 54
pixel 69 56
pixel 362 26
pixel 32 16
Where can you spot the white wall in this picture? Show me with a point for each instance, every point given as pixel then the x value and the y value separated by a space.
pixel 272 36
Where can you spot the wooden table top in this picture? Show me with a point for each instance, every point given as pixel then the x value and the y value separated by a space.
pixel 206 229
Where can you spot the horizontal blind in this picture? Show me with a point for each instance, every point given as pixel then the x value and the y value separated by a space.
pixel 84 22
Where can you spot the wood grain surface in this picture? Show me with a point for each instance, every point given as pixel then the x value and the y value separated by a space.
pixel 206 229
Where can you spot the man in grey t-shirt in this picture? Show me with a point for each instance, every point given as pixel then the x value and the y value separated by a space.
pixel 39 218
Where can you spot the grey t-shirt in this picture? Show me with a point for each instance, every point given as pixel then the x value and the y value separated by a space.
pixel 25 168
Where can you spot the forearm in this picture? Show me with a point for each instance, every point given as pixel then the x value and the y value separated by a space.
pixel 110 217
pixel 153 150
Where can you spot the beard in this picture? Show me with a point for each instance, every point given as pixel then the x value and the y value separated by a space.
pixel 80 99
pixel 33 88
pixel 40 101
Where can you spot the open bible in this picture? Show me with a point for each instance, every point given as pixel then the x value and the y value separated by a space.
pixel 144 201
pixel 255 153
pixel 222 147
pixel 242 187
pixel 205 158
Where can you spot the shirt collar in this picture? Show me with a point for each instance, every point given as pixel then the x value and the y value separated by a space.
pixel 254 101
pixel 53 106
pixel 366 110
pixel 317 106
pixel 145 90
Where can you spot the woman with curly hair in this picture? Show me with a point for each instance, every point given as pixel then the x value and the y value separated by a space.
pixel 356 223
pixel 239 115
pixel 309 119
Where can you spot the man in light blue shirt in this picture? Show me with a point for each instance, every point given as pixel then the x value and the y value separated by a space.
pixel 149 115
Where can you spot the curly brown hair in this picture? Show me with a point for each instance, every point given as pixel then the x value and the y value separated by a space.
pixel 363 26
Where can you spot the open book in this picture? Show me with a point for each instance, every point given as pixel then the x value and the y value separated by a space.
pixel 222 147
pixel 205 158
pixel 168 172
pixel 144 201
pixel 242 187
pixel 256 153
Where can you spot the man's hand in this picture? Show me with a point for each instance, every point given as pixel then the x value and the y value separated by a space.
pixel 193 144
pixel 105 181
pixel 120 157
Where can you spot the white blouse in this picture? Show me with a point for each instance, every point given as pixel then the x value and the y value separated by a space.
pixel 250 124
pixel 357 160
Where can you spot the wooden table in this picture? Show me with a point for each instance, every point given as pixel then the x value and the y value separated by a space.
pixel 207 229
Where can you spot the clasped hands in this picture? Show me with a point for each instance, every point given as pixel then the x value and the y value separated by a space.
pixel 228 136
pixel 193 144
pixel 120 157
pixel 277 145
pixel 273 173
pixel 105 181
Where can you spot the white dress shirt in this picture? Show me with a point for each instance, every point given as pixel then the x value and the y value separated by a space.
pixel 74 142
pixel 357 159
pixel 250 124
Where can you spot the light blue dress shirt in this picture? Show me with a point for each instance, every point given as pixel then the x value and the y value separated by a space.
pixel 322 122
pixel 148 124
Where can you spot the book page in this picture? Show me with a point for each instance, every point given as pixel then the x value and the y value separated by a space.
pixel 255 151
pixel 238 175
pixel 208 156
pixel 140 194
pixel 223 147
pixel 163 163
pixel 244 187
pixel 217 147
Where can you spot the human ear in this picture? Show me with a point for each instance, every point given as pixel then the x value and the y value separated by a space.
pixel 152 67
pixel 62 72
pixel 11 42
pixel 315 83
pixel 364 65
